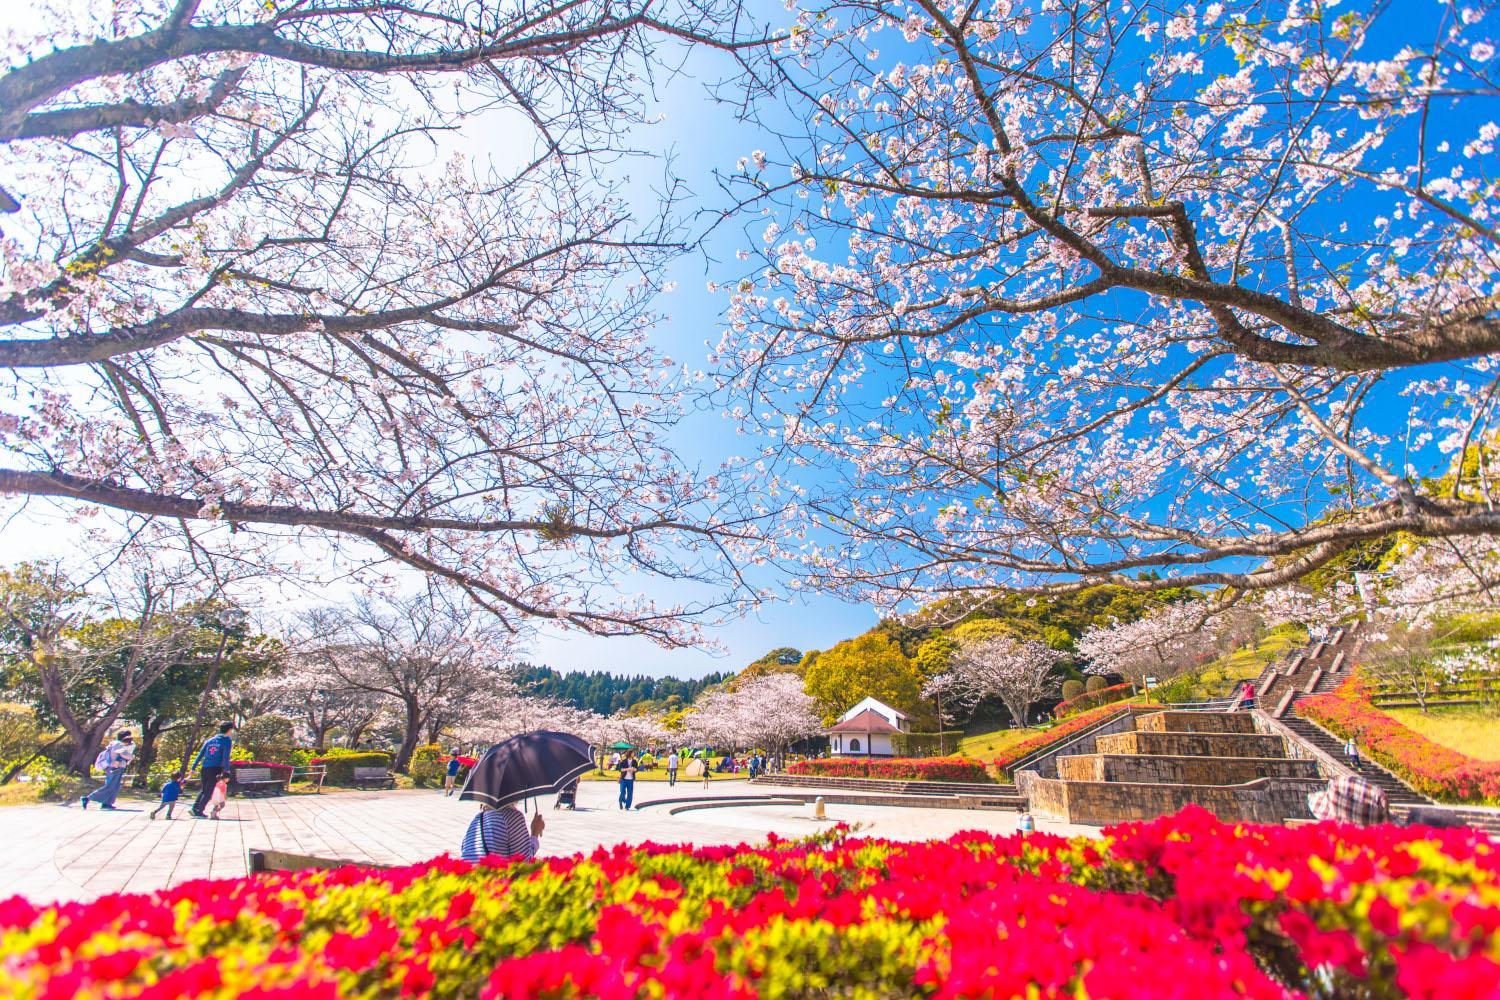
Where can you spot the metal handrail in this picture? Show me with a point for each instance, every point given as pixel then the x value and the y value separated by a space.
pixel 1066 742
pixel 1214 705
pixel 308 773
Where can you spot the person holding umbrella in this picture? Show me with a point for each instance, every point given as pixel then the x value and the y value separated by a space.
pixel 522 767
pixel 501 831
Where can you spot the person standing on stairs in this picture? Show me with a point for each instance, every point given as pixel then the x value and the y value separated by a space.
pixel 1351 754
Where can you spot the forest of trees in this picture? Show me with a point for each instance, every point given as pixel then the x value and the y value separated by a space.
pixel 607 693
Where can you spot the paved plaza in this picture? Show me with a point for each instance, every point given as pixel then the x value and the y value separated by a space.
pixel 56 852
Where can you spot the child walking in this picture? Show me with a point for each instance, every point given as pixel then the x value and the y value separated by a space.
pixel 170 792
pixel 451 777
pixel 219 797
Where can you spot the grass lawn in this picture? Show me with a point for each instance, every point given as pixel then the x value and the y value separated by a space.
pixel 1219 678
pixel 1465 729
pixel 985 745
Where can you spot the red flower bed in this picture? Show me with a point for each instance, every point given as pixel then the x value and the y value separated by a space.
pixel 1182 907
pixel 1429 767
pixel 895 768
pixel 1073 724
pixel 1092 699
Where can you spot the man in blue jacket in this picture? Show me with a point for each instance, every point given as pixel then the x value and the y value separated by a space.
pixel 214 759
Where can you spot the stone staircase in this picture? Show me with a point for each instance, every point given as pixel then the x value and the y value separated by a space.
pixel 1400 795
pixel 1316 668
pixel 1223 761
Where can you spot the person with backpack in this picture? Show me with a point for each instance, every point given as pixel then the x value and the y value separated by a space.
pixel 214 760
pixel 112 760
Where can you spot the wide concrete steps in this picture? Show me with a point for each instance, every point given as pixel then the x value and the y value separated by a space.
pixel 1004 801
pixel 887 786
pixel 1397 792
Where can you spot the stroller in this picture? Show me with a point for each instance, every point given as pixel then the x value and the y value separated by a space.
pixel 567 797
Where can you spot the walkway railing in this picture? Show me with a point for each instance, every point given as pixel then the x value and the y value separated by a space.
pixel 1063 744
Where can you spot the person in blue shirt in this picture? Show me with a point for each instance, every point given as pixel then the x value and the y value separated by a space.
pixel 214 760
pixel 454 766
pixel 170 793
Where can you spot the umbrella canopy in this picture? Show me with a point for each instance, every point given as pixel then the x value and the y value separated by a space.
pixel 1351 799
pixel 531 764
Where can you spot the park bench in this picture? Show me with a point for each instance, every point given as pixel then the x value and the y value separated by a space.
pixel 373 777
pixel 258 861
pixel 253 781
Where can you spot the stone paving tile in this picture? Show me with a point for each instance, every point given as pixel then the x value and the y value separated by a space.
pixel 63 852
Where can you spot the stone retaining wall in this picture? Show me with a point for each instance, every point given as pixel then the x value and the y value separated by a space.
pixel 1192 744
pixel 1182 770
pixel 1196 722
pixel 1266 800
pixel 1046 765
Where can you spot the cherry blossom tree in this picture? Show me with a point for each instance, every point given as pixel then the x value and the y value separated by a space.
pixel 432 656
pixel 244 283
pixel 503 711
pixel 1438 578
pixel 1156 295
pixel 317 700
pixel 1162 644
pixel 1018 672
pixel 770 710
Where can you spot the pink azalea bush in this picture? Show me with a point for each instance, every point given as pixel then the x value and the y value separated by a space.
pixel 1430 768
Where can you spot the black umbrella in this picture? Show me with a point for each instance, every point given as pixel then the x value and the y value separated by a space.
pixel 539 763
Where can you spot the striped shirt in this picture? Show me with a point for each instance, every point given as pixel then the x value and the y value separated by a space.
pixel 502 832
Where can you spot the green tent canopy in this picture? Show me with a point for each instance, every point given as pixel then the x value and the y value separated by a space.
pixel 621 745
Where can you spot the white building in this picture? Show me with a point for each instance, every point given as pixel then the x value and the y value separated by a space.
pixel 866 730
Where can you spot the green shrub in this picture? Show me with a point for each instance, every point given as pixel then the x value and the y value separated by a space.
pixel 1071 690
pixel 267 737
pixel 1096 683
pixel 341 766
pixel 52 780
pixel 426 767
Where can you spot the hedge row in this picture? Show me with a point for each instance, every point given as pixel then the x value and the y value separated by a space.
pixel 1073 724
pixel 1092 699
pixel 1430 768
pixel 1182 907
pixel 894 768
pixel 341 767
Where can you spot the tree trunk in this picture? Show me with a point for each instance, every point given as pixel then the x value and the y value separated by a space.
pixel 412 734
pixel 151 729
pixel 87 743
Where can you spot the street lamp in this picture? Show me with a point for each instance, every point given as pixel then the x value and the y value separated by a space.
pixel 229 618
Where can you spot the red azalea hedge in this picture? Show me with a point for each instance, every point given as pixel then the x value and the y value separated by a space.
pixel 1073 724
pixel 1430 768
pixel 1181 907
pixel 1092 699
pixel 894 768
